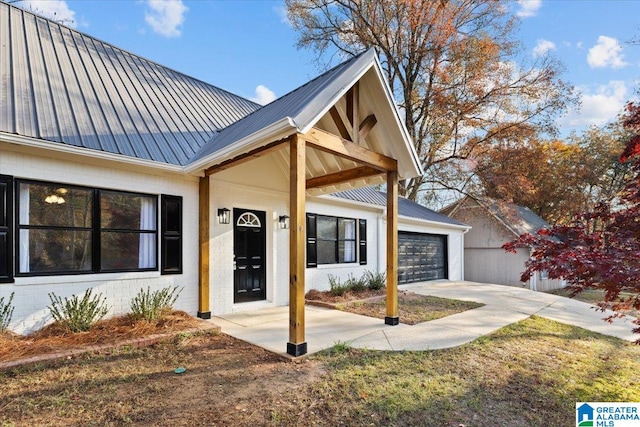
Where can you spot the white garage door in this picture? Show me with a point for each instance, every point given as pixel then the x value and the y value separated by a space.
pixel 421 257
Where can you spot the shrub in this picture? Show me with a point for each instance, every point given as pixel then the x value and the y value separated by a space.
pixel 149 306
pixel 375 281
pixel 78 314
pixel 337 288
pixel 6 313
pixel 356 285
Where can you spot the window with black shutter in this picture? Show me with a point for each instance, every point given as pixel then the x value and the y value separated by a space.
pixel 6 221
pixel 362 236
pixel 171 259
pixel 312 249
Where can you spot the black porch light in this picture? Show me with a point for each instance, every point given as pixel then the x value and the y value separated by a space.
pixel 224 216
pixel 284 221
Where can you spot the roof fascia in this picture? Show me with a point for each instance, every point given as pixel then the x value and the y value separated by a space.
pixel 27 141
pixel 374 63
pixel 277 130
pixel 500 220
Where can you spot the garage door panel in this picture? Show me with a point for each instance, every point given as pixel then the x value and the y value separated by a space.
pixel 421 257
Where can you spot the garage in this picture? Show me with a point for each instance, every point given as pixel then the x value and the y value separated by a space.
pixel 421 257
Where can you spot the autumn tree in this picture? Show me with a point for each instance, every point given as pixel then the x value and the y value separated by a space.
pixel 600 249
pixel 555 178
pixel 455 67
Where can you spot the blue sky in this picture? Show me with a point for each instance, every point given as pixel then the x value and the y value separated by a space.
pixel 247 47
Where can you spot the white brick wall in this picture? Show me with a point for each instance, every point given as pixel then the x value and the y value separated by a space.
pixel 31 293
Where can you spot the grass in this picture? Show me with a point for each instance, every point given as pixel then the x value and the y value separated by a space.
pixel 528 374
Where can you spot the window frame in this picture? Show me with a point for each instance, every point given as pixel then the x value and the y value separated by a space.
pixel 313 255
pixel 95 229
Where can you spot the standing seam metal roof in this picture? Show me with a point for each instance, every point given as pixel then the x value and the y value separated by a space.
pixel 406 207
pixel 60 85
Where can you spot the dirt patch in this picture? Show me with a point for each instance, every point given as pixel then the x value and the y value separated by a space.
pixel 412 308
pixel 54 338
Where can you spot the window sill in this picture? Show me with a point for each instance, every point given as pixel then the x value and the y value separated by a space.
pixel 84 278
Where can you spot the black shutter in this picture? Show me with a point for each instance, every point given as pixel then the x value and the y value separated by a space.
pixel 171 250
pixel 362 236
pixel 312 250
pixel 6 227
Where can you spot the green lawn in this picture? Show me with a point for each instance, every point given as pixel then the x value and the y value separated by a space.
pixel 530 374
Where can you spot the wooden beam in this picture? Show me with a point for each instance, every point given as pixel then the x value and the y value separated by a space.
pixel 342 176
pixel 367 124
pixel 355 114
pixel 392 317
pixel 204 311
pixel 332 144
pixel 349 99
pixel 342 128
pixel 297 235
pixel 243 158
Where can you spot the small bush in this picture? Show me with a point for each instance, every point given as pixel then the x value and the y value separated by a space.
pixel 149 306
pixel 375 281
pixel 337 288
pixel 356 285
pixel 6 312
pixel 78 314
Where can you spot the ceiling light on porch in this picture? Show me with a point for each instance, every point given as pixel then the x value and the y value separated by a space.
pixel 283 220
pixel 224 216
pixel 54 199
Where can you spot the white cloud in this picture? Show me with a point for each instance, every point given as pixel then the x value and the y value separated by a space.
pixel 528 8
pixel 56 10
pixel 281 11
pixel 166 17
pixel 606 53
pixel 264 95
pixel 600 106
pixel 543 47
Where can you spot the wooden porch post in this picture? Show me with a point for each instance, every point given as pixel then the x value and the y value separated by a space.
pixel 392 317
pixel 204 311
pixel 297 345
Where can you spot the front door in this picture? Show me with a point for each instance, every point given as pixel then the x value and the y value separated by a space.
pixel 249 246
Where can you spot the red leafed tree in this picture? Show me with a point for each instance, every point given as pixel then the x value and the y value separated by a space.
pixel 599 249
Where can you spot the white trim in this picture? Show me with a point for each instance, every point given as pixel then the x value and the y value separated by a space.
pixel 281 128
pixel 60 147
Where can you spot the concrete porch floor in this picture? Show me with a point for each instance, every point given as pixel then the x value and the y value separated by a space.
pixel 269 328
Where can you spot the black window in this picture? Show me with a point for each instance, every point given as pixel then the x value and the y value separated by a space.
pixel 64 229
pixel 330 240
pixel 362 239
pixel 6 219
pixel 171 258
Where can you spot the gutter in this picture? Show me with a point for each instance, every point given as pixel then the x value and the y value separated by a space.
pixel 27 141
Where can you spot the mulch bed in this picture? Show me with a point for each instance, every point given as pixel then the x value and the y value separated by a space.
pixel 54 338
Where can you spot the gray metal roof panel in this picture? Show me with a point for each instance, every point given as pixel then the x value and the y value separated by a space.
pixel 406 207
pixel 60 85
pixel 519 219
pixel 301 105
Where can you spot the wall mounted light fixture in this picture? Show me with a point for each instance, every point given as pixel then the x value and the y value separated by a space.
pixel 224 216
pixel 284 221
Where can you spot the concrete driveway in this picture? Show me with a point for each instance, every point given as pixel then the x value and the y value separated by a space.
pixel 269 328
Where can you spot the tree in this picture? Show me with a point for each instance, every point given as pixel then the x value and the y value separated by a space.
pixel 600 249
pixel 451 64
pixel 554 178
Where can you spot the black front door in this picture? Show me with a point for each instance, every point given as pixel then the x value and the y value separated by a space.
pixel 249 246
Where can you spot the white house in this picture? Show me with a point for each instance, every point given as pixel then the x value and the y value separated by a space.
pixel 117 173
pixel 494 223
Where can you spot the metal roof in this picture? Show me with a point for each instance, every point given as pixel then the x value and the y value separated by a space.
pixel 63 86
pixel 300 105
pixel 516 219
pixel 406 207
